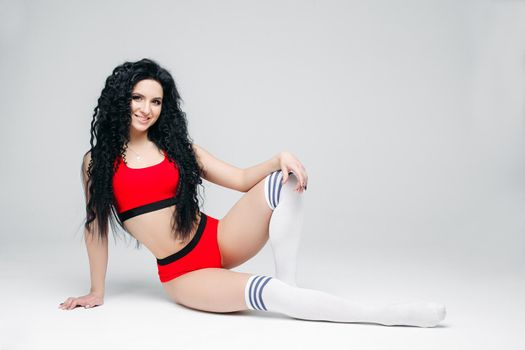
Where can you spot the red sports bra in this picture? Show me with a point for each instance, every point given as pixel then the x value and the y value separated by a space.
pixel 141 190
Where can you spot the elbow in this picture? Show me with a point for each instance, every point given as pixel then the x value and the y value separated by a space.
pixel 244 185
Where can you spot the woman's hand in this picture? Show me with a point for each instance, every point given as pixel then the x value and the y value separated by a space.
pixel 288 162
pixel 87 301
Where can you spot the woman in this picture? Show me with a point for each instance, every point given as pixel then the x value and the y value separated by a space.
pixel 142 173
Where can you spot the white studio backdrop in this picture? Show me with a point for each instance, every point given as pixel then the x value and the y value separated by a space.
pixel 408 115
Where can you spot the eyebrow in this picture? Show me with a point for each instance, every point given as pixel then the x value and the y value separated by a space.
pixel 137 93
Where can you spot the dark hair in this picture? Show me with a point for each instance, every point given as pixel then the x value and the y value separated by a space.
pixel 110 135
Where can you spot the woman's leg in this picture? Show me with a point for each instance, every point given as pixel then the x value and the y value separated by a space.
pixel 241 234
pixel 286 223
pixel 220 290
pixel 211 289
pixel 243 231
pixel 270 294
pixel 268 210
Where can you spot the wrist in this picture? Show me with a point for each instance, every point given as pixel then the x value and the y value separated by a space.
pixel 277 161
pixel 97 292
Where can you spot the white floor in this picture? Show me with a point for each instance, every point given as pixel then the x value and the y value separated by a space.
pixel 485 308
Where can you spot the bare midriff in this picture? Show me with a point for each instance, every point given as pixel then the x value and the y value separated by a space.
pixel 154 231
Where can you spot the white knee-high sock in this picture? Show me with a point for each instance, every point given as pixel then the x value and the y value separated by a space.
pixel 285 224
pixel 270 294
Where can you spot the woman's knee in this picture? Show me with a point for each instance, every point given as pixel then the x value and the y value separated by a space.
pixel 274 188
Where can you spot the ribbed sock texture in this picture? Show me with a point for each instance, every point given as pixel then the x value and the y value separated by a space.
pixel 270 294
pixel 253 292
pixel 286 224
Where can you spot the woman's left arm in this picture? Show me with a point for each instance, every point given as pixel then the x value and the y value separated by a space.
pixel 224 174
pixel 284 161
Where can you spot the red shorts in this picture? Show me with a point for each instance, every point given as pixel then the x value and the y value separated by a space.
pixel 201 252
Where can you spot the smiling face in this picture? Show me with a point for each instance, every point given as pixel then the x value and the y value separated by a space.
pixel 146 104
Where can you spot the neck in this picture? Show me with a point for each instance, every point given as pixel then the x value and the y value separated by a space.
pixel 138 138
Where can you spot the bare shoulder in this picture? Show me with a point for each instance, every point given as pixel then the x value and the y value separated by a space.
pixel 199 153
pixel 87 156
pixel 86 159
pixel 196 148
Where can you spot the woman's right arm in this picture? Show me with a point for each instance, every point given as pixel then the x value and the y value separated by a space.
pixel 97 250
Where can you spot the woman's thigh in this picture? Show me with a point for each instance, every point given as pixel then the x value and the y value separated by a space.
pixel 244 229
pixel 210 289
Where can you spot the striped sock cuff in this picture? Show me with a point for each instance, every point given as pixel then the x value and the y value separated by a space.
pixel 253 292
pixel 272 188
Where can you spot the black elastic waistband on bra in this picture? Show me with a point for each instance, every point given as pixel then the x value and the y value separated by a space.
pixel 147 208
pixel 188 247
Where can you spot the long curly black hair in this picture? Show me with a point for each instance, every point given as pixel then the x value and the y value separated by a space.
pixel 109 138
